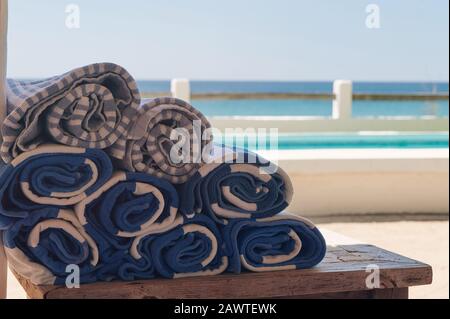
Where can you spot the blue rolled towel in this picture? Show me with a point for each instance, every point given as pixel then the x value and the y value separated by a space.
pixel 236 184
pixel 281 242
pixel 50 176
pixel 42 246
pixel 192 247
pixel 126 206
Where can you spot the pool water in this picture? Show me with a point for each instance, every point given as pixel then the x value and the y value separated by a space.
pixel 343 140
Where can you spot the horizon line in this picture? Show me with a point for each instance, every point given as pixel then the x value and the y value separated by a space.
pixel 268 80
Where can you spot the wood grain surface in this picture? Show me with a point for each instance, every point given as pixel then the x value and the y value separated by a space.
pixel 342 274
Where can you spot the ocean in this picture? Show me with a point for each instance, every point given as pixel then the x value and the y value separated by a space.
pixel 310 107
pixel 297 87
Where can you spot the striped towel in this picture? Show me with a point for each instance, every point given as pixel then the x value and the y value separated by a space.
pixel 126 206
pixel 192 248
pixel 150 142
pixel 281 242
pixel 236 184
pixel 96 234
pixel 50 176
pixel 42 246
pixel 89 107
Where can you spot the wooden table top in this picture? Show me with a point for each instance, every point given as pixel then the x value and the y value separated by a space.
pixel 345 269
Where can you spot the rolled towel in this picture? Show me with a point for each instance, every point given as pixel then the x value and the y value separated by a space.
pixel 150 144
pixel 236 184
pixel 281 242
pixel 43 246
pixel 138 264
pixel 50 175
pixel 126 206
pixel 89 107
pixel 193 248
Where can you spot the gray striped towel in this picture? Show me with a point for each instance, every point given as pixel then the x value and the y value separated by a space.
pixel 148 147
pixel 89 107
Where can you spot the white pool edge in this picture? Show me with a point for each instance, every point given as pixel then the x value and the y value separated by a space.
pixel 361 181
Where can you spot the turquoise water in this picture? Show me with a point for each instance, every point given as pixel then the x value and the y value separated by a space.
pixel 320 108
pixel 306 107
pixel 339 141
pixel 298 87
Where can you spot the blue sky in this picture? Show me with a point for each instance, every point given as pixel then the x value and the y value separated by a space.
pixel 234 39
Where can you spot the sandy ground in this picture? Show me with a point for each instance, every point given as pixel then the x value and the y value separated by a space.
pixel 426 241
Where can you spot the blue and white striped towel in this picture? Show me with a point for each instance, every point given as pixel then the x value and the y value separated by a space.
pixel 89 107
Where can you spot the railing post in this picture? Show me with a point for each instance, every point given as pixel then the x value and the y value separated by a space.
pixel 181 89
pixel 343 98
pixel 3 51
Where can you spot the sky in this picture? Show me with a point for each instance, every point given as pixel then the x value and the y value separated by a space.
pixel 279 40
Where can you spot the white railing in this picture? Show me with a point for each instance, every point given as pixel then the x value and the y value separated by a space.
pixel 3 51
pixel 340 121
pixel 343 98
pixel 181 89
pixel 294 124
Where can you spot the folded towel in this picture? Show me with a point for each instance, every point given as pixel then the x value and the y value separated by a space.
pixel 236 184
pixel 160 125
pixel 42 246
pixel 192 248
pixel 126 206
pixel 89 107
pixel 50 176
pixel 280 242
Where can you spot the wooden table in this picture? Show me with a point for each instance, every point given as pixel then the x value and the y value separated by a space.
pixel 342 274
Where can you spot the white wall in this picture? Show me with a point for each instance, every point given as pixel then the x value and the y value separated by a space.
pixel 336 182
pixel 362 193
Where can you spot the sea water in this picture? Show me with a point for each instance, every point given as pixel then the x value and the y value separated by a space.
pixel 310 107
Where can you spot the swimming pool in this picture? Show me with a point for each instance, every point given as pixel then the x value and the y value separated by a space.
pixel 344 140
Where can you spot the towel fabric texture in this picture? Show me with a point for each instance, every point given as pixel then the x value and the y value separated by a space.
pixel 281 242
pixel 163 125
pixel 236 184
pixel 50 176
pixel 89 107
pixel 96 187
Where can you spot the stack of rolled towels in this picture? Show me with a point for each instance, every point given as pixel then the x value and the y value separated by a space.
pixel 89 182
